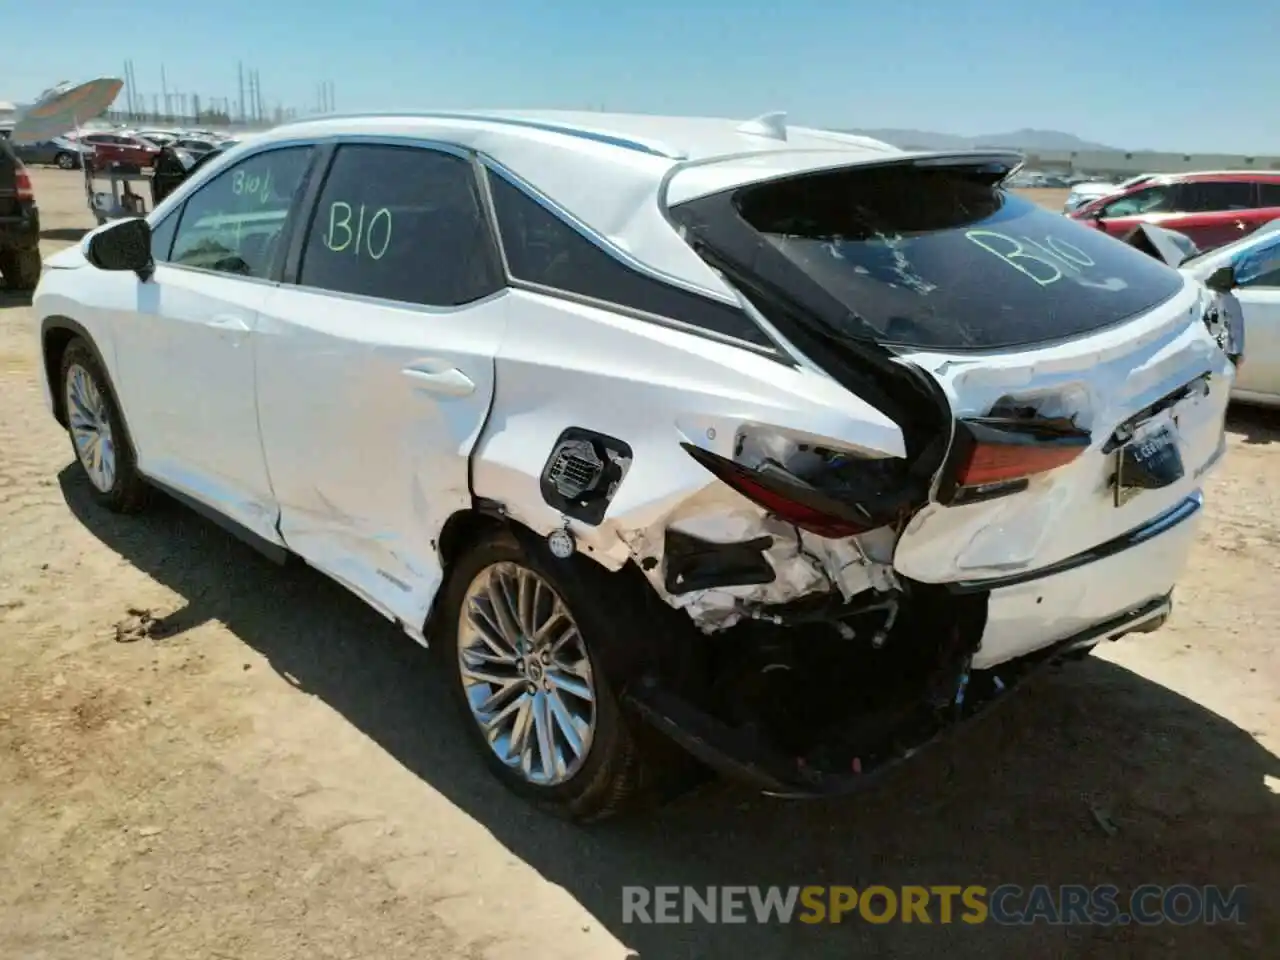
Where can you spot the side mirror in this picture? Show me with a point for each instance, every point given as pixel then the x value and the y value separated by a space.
pixel 125 245
pixel 1222 280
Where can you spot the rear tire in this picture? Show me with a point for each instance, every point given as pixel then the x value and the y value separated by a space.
pixel 97 430
pixel 21 268
pixel 65 161
pixel 613 766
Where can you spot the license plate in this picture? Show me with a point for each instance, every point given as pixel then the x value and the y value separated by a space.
pixel 1148 462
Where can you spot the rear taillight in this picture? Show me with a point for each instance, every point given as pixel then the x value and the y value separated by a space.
pixel 787 497
pixel 24 188
pixel 994 456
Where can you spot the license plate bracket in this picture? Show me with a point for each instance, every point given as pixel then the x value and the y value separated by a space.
pixel 1150 461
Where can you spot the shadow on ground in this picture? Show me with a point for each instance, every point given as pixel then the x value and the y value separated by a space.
pixel 1256 424
pixel 71 234
pixel 13 298
pixel 1014 799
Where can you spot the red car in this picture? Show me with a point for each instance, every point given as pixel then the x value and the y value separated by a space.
pixel 1210 208
pixel 121 148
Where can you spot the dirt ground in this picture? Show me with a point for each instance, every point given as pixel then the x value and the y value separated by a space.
pixel 205 756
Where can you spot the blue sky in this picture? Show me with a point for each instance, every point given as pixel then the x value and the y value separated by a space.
pixel 1141 74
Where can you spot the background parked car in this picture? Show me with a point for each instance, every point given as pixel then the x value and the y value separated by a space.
pixel 121 148
pixel 1254 282
pixel 1211 208
pixel 19 223
pixel 196 146
pixel 1087 191
pixel 58 152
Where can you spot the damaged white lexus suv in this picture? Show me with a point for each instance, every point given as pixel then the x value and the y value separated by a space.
pixel 777 448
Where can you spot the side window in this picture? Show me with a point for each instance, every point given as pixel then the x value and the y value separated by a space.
pixel 401 223
pixel 1151 200
pixel 162 237
pixel 1207 196
pixel 1269 194
pixel 543 249
pixel 1260 267
pixel 233 223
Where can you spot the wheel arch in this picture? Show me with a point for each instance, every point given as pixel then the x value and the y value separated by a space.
pixel 56 334
pixel 654 636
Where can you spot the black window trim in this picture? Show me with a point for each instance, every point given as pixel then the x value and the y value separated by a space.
pixel 273 277
pixel 493 168
pixel 310 205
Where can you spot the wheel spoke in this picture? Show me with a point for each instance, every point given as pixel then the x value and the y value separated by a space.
pixel 542 725
pixel 494 726
pixel 503 611
pixel 571 686
pixel 490 633
pixel 526 602
pixel 503 696
pixel 565 721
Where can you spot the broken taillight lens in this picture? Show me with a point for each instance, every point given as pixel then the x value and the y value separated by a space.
pixel 994 456
pixel 787 497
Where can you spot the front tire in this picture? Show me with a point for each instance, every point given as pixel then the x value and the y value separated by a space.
pixel 65 161
pixel 97 431
pixel 522 642
pixel 21 268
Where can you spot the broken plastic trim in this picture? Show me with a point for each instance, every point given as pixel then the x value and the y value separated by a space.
pixel 997 456
pixel 788 497
pixel 735 753
pixel 691 563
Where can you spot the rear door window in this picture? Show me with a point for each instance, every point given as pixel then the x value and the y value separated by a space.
pixel 932 259
pixel 1269 194
pixel 1208 196
pixel 401 223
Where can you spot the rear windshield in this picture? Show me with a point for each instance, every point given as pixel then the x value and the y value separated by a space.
pixel 941 259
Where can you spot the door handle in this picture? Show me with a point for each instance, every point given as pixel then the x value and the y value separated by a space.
pixel 448 382
pixel 1240 224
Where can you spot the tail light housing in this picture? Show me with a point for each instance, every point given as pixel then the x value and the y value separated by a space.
pixel 995 456
pixel 788 497
pixel 23 183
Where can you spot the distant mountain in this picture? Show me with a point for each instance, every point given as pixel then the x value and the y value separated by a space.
pixel 1029 140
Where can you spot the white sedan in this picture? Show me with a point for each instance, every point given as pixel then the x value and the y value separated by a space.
pixel 781 445
pixel 1248 272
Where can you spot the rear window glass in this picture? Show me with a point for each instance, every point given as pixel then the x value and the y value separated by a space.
pixel 936 259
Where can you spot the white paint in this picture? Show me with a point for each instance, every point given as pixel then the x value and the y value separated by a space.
pixel 358 426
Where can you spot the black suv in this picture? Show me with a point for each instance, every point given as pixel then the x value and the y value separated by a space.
pixel 19 223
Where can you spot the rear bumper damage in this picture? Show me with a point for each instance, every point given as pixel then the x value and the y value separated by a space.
pixel 740 754
pixel 810 714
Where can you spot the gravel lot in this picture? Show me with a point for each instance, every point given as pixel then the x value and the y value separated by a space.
pixel 202 755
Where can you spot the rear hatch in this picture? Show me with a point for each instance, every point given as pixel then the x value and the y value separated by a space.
pixel 1080 392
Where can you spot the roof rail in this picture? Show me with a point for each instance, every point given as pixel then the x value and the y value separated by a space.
pixel 651 147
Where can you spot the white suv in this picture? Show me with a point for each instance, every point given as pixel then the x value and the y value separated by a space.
pixel 783 443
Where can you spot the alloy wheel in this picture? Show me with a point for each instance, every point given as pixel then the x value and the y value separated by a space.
pixel 90 425
pixel 526 674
